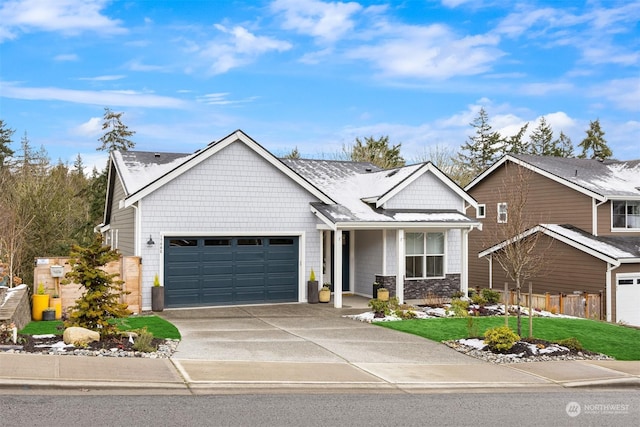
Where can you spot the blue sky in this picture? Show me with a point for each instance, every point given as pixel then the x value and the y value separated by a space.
pixel 315 75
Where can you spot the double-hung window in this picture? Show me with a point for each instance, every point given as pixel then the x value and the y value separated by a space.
pixel 502 213
pixel 626 214
pixel 424 255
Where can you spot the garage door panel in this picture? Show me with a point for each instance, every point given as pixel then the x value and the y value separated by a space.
pixel 228 270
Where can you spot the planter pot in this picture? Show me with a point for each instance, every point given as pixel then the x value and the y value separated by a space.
pixel 56 304
pixel 157 298
pixel 312 291
pixel 383 294
pixel 324 295
pixel 48 315
pixel 39 303
pixel 376 286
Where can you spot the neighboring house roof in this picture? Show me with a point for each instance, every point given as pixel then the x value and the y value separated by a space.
pixel 603 180
pixel 361 189
pixel 612 249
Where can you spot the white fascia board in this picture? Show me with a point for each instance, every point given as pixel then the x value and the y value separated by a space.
pixel 618 197
pixel 630 261
pixel 215 148
pixel 539 171
pixel 555 236
pixel 404 225
pixel 323 218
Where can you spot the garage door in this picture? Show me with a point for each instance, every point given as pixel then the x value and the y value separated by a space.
pixel 628 299
pixel 230 270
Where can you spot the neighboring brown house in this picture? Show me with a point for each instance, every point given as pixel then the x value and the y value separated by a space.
pixel 589 214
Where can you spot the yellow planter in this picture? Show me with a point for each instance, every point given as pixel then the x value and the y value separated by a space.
pixel 383 294
pixel 56 303
pixel 324 295
pixel 38 304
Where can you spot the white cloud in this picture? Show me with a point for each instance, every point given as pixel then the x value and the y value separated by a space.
pixel 111 98
pixel 541 89
pixel 91 127
pixel 66 16
pixel 240 48
pixel 66 57
pixel 103 78
pixel 432 51
pixel 625 93
pixel 326 22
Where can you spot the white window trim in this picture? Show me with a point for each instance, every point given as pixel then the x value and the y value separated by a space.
pixel 425 255
pixel 622 229
pixel 506 212
pixel 481 212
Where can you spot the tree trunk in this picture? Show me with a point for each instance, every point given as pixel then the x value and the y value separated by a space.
pixel 518 301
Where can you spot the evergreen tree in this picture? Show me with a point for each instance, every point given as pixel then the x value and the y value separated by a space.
pixel 377 151
pixel 117 134
pixel 100 300
pixel 482 149
pixel 595 143
pixel 78 166
pixel 5 142
pixel 294 154
pixel 541 139
pixel 516 143
pixel 563 146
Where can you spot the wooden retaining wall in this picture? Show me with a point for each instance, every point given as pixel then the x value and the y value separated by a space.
pixel 128 268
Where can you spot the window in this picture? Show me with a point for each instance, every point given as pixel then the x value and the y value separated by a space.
pixel 183 242
pixel 424 255
pixel 626 214
pixel 502 213
pixel 482 211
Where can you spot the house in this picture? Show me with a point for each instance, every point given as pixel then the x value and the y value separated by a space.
pixel 233 224
pixel 588 214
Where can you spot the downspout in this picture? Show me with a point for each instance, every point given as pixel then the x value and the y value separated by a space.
pixel 609 289
pixel 594 216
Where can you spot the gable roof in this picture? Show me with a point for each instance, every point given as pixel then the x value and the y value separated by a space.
pixel 361 189
pixel 602 180
pixel 612 249
pixel 142 173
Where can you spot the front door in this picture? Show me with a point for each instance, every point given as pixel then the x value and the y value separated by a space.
pixel 345 261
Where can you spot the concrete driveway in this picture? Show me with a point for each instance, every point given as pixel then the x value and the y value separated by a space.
pixel 299 333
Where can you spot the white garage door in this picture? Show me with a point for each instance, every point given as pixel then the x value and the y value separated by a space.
pixel 628 299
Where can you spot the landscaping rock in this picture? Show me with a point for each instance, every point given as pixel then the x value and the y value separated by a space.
pixel 75 335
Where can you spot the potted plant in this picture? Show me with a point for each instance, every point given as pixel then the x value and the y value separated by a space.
pixel 383 294
pixel 56 304
pixel 49 313
pixel 312 288
pixel 157 295
pixel 40 301
pixel 325 293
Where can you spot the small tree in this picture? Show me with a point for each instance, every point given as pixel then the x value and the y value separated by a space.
pixel 117 134
pixel 482 149
pixel 376 151
pixel 595 142
pixel 520 258
pixel 100 300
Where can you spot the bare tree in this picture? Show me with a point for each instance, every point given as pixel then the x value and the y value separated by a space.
pixel 520 256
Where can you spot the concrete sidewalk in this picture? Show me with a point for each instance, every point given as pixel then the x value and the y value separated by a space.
pixel 300 347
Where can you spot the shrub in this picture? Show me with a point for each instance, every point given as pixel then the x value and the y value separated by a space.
pixel 479 299
pixel 472 327
pixel 460 308
pixel 143 342
pixel 491 296
pixel 379 308
pixel 500 339
pixel 457 294
pixel 571 343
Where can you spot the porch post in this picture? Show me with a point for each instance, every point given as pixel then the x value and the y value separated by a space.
pixel 337 269
pixel 400 265
pixel 464 260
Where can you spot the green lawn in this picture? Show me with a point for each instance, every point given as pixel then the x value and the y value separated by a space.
pixel 620 342
pixel 159 327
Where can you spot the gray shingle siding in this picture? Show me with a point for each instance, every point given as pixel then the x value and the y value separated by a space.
pixel 234 192
pixel 426 192
pixel 123 222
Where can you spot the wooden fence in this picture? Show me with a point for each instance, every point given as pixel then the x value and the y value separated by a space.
pixel 128 268
pixel 586 305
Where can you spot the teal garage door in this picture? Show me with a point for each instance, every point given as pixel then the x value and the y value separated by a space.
pixel 201 271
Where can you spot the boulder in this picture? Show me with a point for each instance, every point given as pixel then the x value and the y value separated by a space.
pixel 76 335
